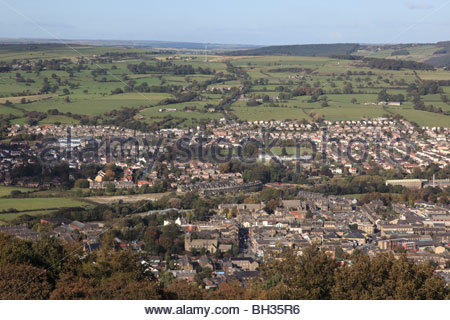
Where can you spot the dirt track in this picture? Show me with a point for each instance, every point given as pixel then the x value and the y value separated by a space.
pixel 127 199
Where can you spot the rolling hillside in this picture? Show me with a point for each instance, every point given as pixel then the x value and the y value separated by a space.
pixel 308 50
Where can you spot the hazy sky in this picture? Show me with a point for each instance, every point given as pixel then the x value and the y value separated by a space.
pixel 230 21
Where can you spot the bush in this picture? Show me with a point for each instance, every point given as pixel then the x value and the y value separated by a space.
pixel 82 183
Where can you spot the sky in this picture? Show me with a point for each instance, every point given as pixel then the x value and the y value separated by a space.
pixel 263 22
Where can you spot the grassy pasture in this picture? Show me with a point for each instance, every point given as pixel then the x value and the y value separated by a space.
pixel 9 110
pixel 6 190
pixel 269 113
pixel 35 206
pixel 356 112
pixel 53 119
pixel 22 204
pixel 6 217
pixel 423 118
pixel 434 75
pixel 98 104
pixel 28 98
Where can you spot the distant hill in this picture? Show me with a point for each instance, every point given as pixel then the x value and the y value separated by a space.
pixel 307 50
pixel 145 44
pixel 440 61
pixel 441 57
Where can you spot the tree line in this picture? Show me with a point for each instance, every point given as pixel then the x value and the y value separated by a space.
pixel 47 269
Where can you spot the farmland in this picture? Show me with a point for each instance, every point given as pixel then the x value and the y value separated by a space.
pixel 86 84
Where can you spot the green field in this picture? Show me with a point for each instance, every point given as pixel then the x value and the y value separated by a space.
pixel 6 190
pixel 269 113
pixel 6 217
pixel 423 118
pixel 182 111
pixel 55 119
pixel 353 196
pixel 292 151
pixel 24 204
pixel 34 206
pixel 98 104
pixel 350 112
pixel 8 110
